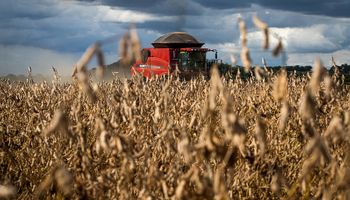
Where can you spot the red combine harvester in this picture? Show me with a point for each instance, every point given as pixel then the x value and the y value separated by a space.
pixel 172 51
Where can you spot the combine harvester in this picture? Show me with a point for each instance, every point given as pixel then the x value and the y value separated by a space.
pixel 174 52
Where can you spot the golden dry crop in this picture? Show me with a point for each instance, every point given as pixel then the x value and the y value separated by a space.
pixel 169 139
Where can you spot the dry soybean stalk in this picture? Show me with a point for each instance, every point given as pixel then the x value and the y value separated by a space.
pixel 278 49
pixel 264 28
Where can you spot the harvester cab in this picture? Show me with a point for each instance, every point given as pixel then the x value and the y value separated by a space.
pixel 176 52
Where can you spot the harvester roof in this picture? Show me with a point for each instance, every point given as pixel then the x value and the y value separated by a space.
pixel 177 40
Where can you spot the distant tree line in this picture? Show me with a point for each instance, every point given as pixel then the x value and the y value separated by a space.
pixel 344 70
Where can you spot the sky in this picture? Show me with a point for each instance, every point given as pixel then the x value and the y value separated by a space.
pixel 45 33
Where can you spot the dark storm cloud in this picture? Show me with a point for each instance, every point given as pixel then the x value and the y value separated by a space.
pixel 223 4
pixel 132 4
pixel 193 14
pixel 48 37
pixel 26 9
pixel 334 8
pixel 43 24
